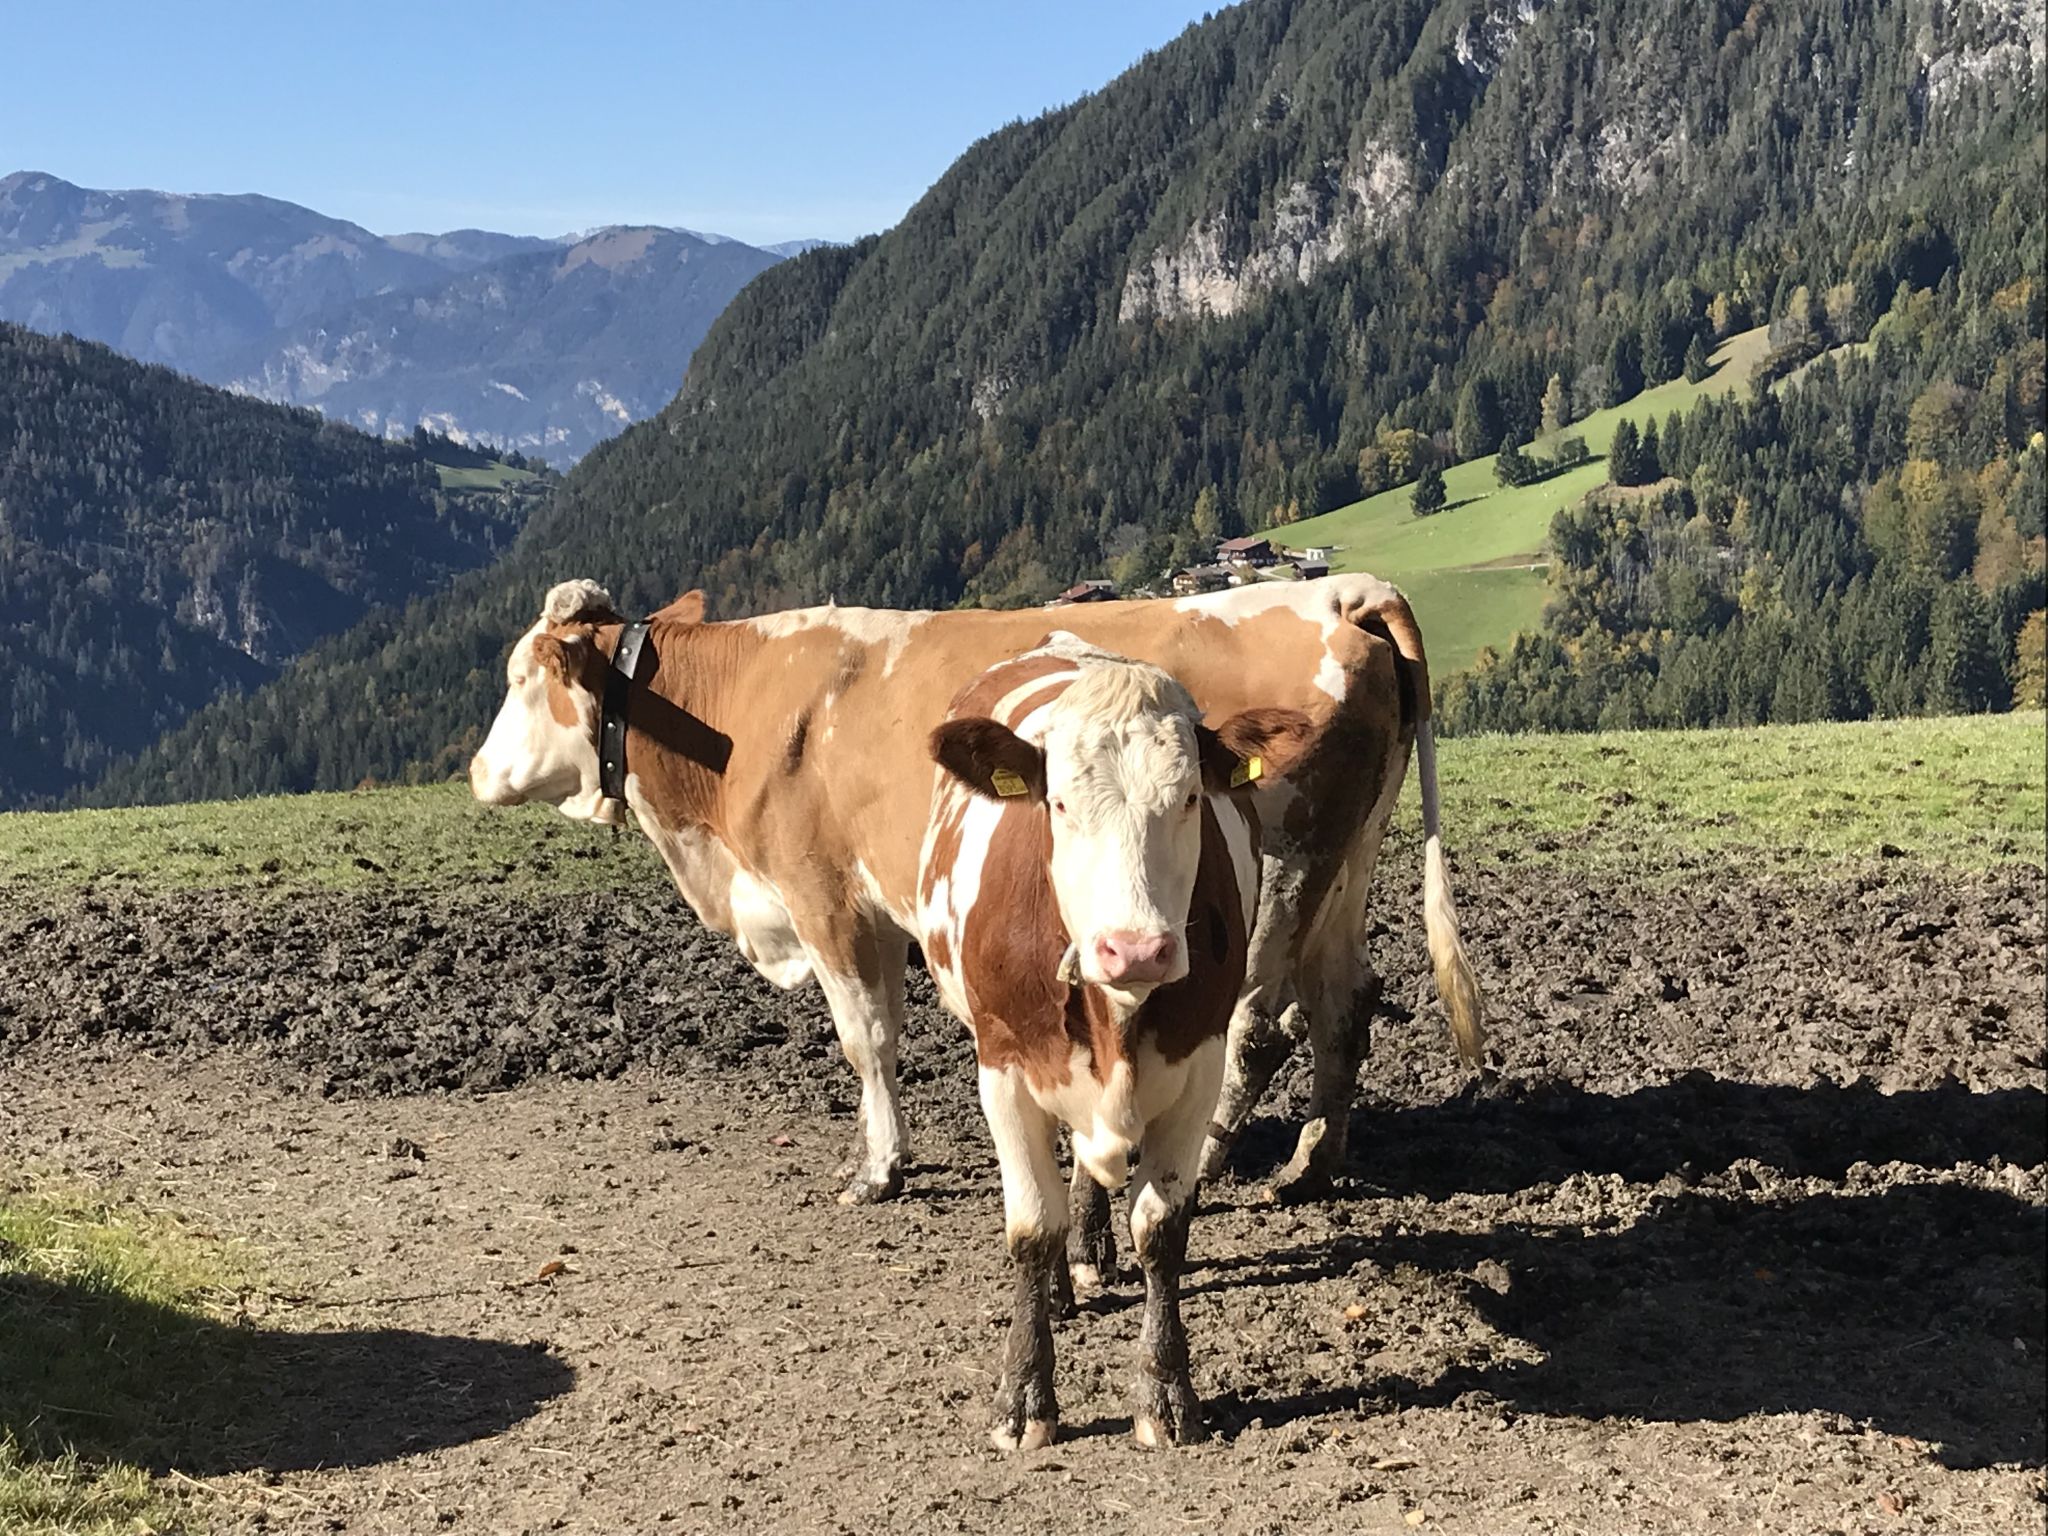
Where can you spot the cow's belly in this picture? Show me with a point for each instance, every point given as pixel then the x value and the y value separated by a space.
pixel 766 933
pixel 728 900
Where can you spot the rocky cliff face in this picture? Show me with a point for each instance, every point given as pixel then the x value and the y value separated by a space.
pixel 1633 141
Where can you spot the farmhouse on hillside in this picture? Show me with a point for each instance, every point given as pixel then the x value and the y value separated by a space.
pixel 1201 578
pixel 1250 550
pixel 1094 591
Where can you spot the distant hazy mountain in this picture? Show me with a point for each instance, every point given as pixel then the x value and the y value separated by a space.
pixel 549 350
pixel 547 345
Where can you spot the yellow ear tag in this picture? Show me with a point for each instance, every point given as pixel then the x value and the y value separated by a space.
pixel 1008 784
pixel 1251 768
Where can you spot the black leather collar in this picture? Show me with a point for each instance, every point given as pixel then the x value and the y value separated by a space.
pixel 611 725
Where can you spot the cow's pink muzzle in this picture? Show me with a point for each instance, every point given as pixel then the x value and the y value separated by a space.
pixel 1123 958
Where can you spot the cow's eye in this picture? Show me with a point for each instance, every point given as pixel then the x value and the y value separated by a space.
pixel 1194 797
pixel 1059 807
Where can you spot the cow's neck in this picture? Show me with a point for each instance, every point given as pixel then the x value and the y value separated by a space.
pixel 676 752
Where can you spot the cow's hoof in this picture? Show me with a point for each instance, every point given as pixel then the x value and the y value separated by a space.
pixel 1312 1172
pixel 867 1189
pixel 1167 1413
pixel 1023 1434
pixel 1086 1278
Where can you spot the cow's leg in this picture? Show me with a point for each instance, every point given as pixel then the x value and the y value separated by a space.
pixel 1339 994
pixel 1263 1029
pixel 1091 1243
pixel 867 1011
pixel 1262 1037
pixel 1027 1411
pixel 1340 1035
pixel 1164 1408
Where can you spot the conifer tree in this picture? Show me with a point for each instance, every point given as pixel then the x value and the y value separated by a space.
pixel 1625 455
pixel 1428 496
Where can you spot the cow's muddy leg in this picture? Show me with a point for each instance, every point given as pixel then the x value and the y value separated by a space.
pixel 1260 1041
pixel 1091 1243
pixel 1027 1411
pixel 1340 1037
pixel 867 1011
pixel 1164 1408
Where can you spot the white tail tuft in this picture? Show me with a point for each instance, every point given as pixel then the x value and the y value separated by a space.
pixel 1455 983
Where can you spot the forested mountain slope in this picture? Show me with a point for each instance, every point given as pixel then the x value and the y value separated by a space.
pixel 161 542
pixel 1302 226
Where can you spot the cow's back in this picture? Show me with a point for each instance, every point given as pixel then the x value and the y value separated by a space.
pixel 847 697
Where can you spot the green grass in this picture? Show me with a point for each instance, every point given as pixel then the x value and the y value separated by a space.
pixel 1486 528
pixel 488 477
pixel 1962 792
pixel 105 1310
pixel 364 840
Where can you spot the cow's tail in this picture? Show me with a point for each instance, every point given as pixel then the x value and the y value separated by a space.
pixel 1455 984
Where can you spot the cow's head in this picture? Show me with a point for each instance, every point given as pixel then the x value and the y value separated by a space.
pixel 543 744
pixel 1121 769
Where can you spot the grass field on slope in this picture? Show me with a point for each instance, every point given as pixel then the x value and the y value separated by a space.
pixel 1473 571
pixel 493 476
pixel 1963 792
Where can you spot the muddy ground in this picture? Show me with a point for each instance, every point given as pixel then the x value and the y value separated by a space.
pixel 1745 1232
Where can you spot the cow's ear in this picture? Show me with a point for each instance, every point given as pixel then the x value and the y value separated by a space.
pixel 1252 747
pixel 686 609
pixel 561 656
pixel 550 655
pixel 990 759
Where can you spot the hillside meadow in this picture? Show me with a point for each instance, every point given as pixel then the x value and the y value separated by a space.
pixel 1474 571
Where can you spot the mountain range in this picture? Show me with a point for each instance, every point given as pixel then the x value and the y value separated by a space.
pixel 1258 269
pixel 547 346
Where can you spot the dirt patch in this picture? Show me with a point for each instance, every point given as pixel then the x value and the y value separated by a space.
pixel 1746 1232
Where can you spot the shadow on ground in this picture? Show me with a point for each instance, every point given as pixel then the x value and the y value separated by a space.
pixel 1509 1135
pixel 117 1378
pixel 1905 1301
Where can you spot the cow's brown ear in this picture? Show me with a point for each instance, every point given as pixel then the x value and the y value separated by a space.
pixel 686 609
pixel 550 656
pixel 1252 747
pixel 560 655
pixel 990 759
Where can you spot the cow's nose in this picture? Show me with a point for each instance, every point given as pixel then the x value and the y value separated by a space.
pixel 484 787
pixel 1123 956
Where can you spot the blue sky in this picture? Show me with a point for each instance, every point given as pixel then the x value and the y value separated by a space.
pixel 762 119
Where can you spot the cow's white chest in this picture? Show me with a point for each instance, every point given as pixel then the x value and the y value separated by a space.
pixel 727 899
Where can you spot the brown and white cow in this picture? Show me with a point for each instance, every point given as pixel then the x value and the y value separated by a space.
pixel 1086 898
pixel 778 765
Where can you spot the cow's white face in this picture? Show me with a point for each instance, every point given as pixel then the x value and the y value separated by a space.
pixel 543 744
pixel 1122 769
pixel 1125 797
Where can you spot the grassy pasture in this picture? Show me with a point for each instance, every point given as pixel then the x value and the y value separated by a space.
pixel 1963 792
pixel 104 1307
pixel 1472 570
pixel 493 476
